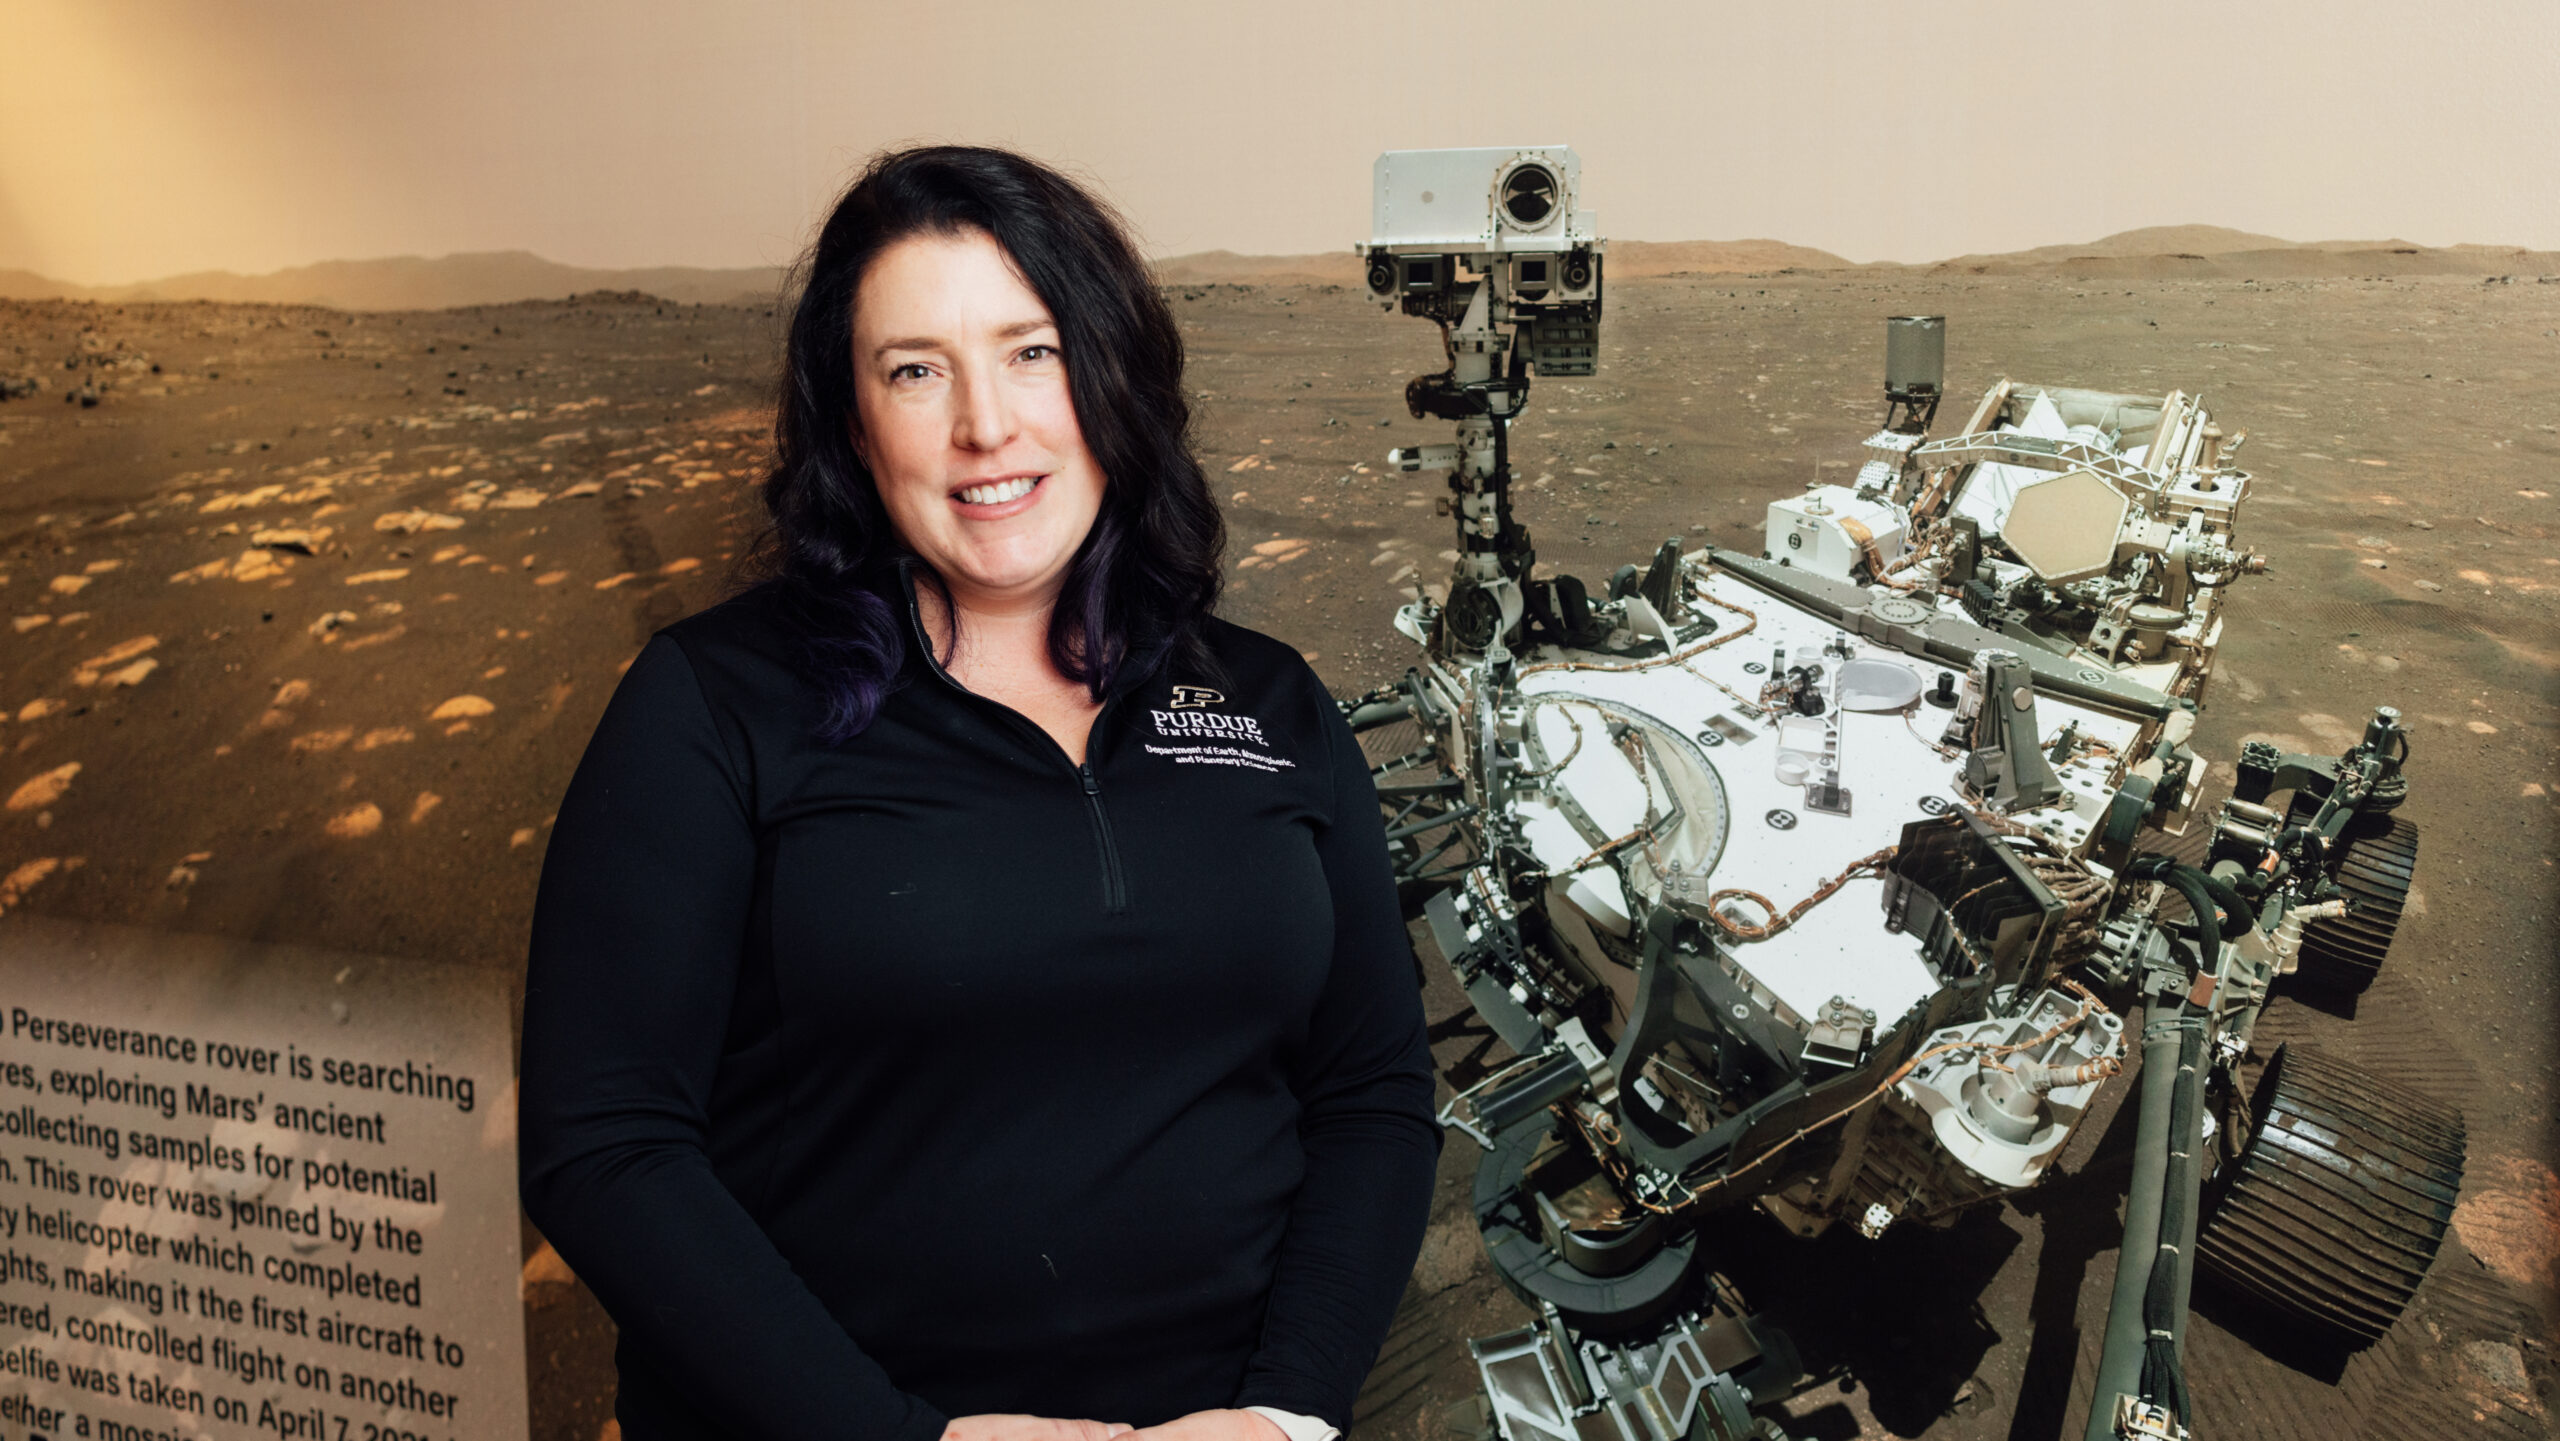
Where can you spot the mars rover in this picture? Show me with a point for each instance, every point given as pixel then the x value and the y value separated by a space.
pixel 1828 880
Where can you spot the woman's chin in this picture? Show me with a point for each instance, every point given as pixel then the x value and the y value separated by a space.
pixel 1004 577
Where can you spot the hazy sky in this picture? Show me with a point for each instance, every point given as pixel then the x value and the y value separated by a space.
pixel 144 139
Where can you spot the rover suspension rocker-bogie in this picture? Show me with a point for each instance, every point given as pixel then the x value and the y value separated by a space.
pixel 1826 882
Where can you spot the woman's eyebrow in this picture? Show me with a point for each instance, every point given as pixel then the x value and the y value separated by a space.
pixel 927 342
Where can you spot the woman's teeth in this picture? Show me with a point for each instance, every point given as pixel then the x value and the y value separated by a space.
pixel 1000 492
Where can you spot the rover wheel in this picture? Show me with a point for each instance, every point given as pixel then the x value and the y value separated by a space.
pixel 2332 1215
pixel 2378 863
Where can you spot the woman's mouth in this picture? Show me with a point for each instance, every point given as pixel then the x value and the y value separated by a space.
pixel 998 492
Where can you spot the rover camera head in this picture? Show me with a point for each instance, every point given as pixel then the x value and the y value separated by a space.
pixel 1448 223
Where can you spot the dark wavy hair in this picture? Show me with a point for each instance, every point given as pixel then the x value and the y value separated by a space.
pixel 1141 587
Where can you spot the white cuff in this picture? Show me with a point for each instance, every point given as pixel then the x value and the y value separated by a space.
pixel 1298 1428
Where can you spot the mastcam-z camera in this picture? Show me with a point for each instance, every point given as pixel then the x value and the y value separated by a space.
pixel 1503 222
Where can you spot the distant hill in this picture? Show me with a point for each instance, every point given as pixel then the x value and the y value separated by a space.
pixel 501 277
pixel 1629 259
pixel 2131 244
pixel 410 282
pixel 2170 252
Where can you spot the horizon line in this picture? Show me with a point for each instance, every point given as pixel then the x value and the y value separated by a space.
pixel 1343 253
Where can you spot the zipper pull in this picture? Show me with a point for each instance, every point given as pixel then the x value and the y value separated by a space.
pixel 1092 787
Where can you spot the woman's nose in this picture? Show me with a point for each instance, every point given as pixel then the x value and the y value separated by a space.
pixel 985 418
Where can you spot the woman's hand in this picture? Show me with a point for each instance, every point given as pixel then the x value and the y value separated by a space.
pixel 1215 1426
pixel 1037 1428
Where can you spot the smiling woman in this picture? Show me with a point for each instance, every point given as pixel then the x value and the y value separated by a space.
pixel 967 995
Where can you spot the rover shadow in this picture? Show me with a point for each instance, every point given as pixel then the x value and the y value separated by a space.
pixel 1901 1315
pixel 1472 1060
pixel 2327 1000
pixel 2079 1218
pixel 2281 1339
pixel 1835 1422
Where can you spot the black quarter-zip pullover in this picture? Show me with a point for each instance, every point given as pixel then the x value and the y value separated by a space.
pixel 937 1074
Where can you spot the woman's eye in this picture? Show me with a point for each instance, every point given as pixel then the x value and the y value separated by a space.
pixel 900 373
pixel 1039 352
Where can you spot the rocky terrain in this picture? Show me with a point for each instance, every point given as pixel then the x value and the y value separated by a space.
pixel 311 612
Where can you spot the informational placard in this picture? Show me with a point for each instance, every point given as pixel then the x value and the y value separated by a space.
pixel 253 1192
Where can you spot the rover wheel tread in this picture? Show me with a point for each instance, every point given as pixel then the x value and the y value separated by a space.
pixel 2344 953
pixel 2337 1208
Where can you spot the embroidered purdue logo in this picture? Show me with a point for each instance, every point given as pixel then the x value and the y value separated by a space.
pixel 1194 735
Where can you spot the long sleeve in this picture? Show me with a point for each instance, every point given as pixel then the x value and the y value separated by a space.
pixel 638 930
pixel 1363 1081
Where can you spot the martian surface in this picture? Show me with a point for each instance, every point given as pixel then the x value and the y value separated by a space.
pixel 310 613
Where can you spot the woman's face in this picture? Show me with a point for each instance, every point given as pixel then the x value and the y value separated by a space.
pixel 962 413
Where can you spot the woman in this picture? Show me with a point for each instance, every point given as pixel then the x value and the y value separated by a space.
pixel 967 996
